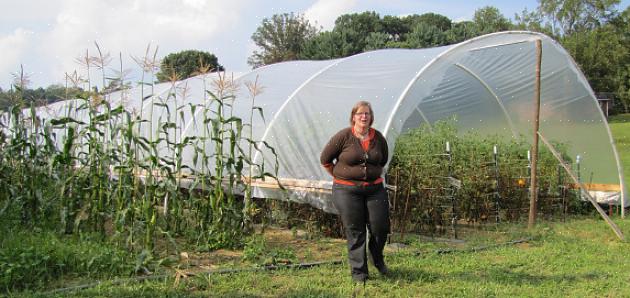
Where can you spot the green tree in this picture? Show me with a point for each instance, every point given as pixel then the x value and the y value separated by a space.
pixel 359 32
pixel 377 40
pixel 441 22
pixel 568 16
pixel 461 31
pixel 326 45
pixel 621 25
pixel 280 38
pixel 594 34
pixel 623 87
pixel 39 96
pixel 599 52
pixel 394 27
pixel 532 21
pixel 425 35
pixel 186 64
pixel 5 99
pixel 489 19
pixel 354 30
pixel 57 92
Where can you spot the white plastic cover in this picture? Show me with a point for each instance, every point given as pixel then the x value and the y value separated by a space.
pixel 487 83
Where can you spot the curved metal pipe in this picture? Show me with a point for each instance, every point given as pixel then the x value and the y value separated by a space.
pixel 496 97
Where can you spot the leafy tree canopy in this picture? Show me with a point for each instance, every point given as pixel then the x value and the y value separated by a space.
pixel 425 35
pixel 39 96
pixel 185 64
pixel 565 17
pixel 441 22
pixel 325 45
pixel 489 19
pixel 359 32
pixel 280 38
pixel 461 31
pixel 354 30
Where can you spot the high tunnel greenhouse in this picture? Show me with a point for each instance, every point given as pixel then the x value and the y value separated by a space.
pixel 487 83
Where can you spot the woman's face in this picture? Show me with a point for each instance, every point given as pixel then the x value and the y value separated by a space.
pixel 362 117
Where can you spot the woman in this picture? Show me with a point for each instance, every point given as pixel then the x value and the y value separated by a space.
pixel 355 157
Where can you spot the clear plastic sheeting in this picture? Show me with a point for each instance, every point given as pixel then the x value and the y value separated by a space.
pixel 486 83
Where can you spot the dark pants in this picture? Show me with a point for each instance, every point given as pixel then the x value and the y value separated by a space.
pixel 361 207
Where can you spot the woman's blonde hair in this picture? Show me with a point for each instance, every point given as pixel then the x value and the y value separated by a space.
pixel 355 108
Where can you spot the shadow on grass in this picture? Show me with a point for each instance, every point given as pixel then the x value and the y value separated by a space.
pixel 310 293
pixel 507 276
pixel 502 274
pixel 149 291
pixel 409 275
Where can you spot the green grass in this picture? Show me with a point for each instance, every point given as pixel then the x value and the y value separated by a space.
pixel 39 259
pixel 579 258
pixel 620 128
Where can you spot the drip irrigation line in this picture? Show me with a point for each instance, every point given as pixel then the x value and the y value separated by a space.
pixel 438 239
pixel 189 274
pixel 480 248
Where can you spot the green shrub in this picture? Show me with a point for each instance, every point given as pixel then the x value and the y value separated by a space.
pixel 258 252
pixel 31 259
pixel 480 190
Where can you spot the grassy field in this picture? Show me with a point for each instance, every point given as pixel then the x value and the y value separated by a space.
pixel 620 127
pixel 578 258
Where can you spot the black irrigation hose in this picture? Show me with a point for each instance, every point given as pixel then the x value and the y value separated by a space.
pixel 480 248
pixel 209 272
pixel 264 268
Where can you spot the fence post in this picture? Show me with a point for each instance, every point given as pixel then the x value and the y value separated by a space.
pixel 533 194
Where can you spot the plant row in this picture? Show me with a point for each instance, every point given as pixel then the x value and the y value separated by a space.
pixel 101 167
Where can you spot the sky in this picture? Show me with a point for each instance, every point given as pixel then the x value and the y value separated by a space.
pixel 47 36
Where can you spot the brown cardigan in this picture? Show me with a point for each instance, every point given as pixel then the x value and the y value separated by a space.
pixel 344 153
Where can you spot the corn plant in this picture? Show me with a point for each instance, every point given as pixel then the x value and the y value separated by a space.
pixel 103 168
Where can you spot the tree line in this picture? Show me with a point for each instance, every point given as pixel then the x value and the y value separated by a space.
pixel 173 67
pixel 594 33
pixel 39 96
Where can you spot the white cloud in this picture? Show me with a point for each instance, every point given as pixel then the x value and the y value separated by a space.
pixel 12 47
pixel 25 11
pixel 47 35
pixel 128 26
pixel 325 12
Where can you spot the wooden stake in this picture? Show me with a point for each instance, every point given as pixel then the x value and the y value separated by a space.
pixel 533 192
pixel 584 189
pixel 404 217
